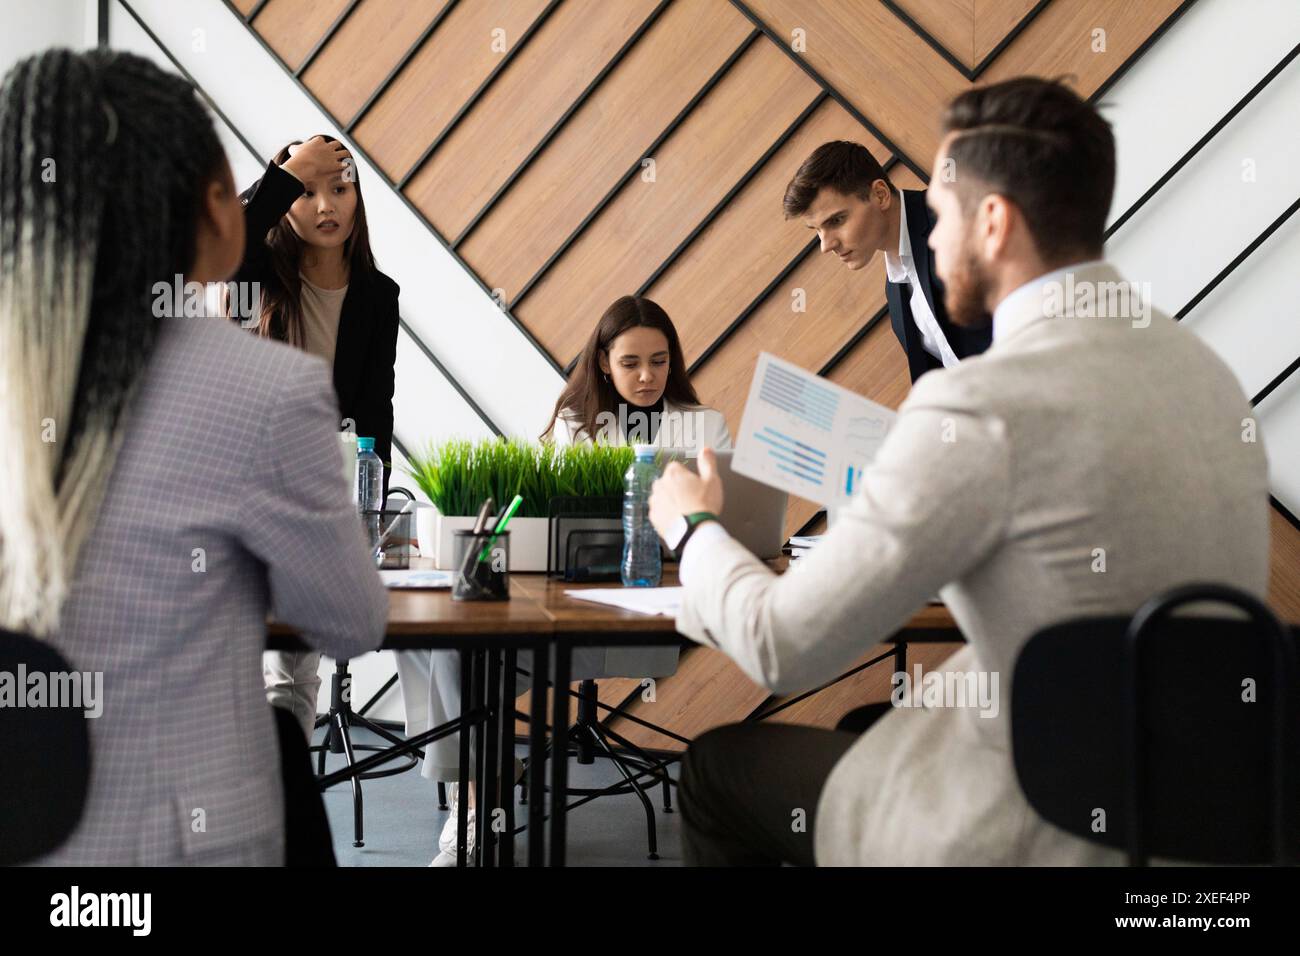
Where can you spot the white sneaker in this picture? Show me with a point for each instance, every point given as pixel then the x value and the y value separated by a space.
pixel 447 841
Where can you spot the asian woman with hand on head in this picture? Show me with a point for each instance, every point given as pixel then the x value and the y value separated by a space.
pixel 309 250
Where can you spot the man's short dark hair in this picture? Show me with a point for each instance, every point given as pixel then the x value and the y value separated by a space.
pixel 1040 145
pixel 848 168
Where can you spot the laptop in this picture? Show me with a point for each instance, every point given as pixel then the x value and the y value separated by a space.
pixel 753 513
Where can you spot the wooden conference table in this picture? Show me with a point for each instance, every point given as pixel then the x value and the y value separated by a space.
pixel 541 618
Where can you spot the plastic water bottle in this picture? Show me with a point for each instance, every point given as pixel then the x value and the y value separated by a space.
pixel 369 487
pixel 641 564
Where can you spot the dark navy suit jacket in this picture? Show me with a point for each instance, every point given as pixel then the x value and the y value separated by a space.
pixel 964 342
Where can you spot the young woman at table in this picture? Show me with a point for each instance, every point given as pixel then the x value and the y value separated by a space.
pixel 630 386
pixel 309 249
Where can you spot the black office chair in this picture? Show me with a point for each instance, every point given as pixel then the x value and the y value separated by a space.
pixel 341 718
pixel 45 755
pixel 307 840
pixel 1140 733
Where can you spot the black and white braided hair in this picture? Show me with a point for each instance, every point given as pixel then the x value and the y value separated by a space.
pixel 103 162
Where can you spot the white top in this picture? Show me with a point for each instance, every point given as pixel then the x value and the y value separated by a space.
pixel 680 427
pixel 902 268
pixel 321 310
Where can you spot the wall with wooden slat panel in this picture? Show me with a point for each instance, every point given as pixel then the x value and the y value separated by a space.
pixel 1060 41
pixel 993 20
pixel 951 22
pixel 513 116
pixel 365 49
pixel 606 136
pixel 440 78
pixel 901 85
pixel 692 172
pixel 1284 568
pixel 293 27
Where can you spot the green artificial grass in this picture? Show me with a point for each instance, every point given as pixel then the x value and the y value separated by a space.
pixel 458 474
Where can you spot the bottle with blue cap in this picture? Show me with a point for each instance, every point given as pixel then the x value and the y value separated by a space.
pixel 641 563
pixel 369 487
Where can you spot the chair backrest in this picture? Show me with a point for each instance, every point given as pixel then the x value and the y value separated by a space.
pixel 397 498
pixel 307 840
pixel 44 749
pixel 1165 736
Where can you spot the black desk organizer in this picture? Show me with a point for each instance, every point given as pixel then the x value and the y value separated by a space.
pixel 584 537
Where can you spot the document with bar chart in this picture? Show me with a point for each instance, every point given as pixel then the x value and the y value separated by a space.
pixel 806 435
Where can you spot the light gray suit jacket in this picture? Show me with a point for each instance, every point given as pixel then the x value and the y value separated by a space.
pixel 228 500
pixel 1006 481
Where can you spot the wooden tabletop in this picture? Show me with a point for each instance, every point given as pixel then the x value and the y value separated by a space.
pixel 539 606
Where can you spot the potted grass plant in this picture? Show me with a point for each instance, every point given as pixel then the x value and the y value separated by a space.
pixel 458 474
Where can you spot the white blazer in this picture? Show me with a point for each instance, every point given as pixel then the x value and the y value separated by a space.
pixel 681 426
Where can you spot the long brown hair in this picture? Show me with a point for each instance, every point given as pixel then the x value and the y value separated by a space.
pixel 589 391
pixel 281 315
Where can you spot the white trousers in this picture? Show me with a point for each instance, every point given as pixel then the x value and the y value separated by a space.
pixel 293 681
pixel 430 682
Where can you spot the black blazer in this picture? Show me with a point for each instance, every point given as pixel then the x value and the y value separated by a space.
pixel 367 342
pixel 964 342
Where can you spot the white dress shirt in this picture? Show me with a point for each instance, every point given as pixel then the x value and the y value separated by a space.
pixel 902 268
pixel 1021 305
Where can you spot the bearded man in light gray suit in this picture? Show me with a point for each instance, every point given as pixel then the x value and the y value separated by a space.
pixel 1095 455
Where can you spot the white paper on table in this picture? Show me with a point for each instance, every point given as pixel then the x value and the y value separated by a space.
pixel 665 601
pixel 806 435
pixel 415 579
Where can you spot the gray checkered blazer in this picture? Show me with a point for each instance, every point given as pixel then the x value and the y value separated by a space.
pixel 228 500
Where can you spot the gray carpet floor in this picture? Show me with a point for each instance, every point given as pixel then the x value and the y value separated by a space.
pixel 402 820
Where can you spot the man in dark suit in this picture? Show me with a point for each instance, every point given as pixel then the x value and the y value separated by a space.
pixel 847 197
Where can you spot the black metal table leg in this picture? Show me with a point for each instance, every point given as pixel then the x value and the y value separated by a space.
pixel 490 803
pixel 480 794
pixel 508 693
pixel 462 773
pixel 537 758
pixel 559 752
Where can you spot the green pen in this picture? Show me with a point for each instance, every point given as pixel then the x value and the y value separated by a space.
pixel 501 526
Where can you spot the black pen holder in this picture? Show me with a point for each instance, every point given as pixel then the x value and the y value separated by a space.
pixel 480 566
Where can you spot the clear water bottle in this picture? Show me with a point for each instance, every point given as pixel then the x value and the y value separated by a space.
pixel 641 563
pixel 369 487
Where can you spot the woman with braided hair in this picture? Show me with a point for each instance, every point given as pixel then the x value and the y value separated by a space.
pixel 147 526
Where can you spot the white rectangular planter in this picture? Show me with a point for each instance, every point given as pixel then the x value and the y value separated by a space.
pixel 527 539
